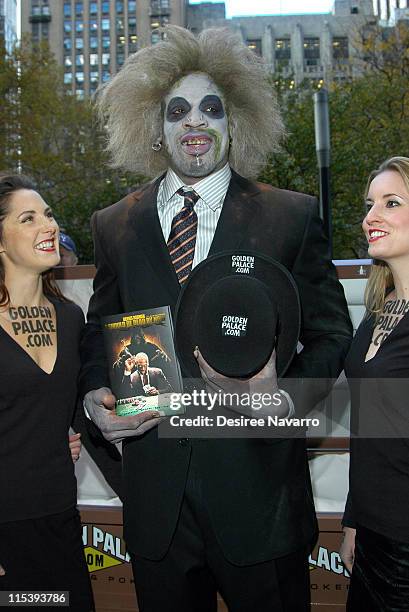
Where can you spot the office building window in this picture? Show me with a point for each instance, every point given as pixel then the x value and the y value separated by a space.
pixel 79 7
pixel 93 26
pixel 120 58
pixel 79 93
pixel 93 42
pixel 105 59
pixel 155 37
pixel 340 48
pixel 79 26
pixel 255 45
pixel 35 30
pixel 67 44
pixel 133 43
pixel 44 29
pixel 93 59
pixel 94 76
pixel 105 42
pixel 105 24
pixel 105 76
pixel 157 6
pixel 105 8
pixel 132 25
pixel 79 60
pixel 68 78
pixel 67 9
pixel 67 26
pixel 67 61
pixel 119 7
pixel 282 49
pixel 79 43
pixel 93 8
pixel 79 77
pixel 131 6
pixel 160 21
pixel 311 48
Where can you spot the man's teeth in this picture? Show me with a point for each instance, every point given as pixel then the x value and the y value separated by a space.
pixel 48 244
pixel 195 142
pixel 377 234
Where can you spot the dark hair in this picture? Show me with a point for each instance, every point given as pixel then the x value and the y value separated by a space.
pixel 10 184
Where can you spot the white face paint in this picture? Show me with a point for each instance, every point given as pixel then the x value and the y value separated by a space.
pixel 195 128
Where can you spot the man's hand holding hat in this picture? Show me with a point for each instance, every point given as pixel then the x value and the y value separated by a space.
pixel 264 382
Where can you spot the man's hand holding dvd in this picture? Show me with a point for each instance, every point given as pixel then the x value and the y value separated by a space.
pixel 100 406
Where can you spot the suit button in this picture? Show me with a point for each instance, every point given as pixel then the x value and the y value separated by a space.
pixel 184 442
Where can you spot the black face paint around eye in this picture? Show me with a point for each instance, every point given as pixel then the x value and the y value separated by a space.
pixel 177 109
pixel 213 106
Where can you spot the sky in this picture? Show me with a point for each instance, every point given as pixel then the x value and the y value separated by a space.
pixel 273 7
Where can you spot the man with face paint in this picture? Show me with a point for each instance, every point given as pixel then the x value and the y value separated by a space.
pixel 233 515
pixel 195 128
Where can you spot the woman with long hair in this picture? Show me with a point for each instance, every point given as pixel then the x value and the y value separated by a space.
pixel 376 525
pixel 40 530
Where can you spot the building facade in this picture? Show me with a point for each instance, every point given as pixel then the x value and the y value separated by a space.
pixel 318 47
pixel 388 10
pixel 204 12
pixel 91 40
pixel 8 23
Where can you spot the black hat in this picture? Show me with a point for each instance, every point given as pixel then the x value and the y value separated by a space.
pixel 236 307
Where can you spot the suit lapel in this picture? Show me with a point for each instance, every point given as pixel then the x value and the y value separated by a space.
pixel 145 222
pixel 240 208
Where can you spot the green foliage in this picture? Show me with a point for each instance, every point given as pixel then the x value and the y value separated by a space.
pixel 369 120
pixel 52 136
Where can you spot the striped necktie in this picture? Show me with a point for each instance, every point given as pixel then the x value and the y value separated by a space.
pixel 182 237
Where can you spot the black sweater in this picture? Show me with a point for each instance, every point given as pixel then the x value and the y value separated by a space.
pixel 36 470
pixel 379 471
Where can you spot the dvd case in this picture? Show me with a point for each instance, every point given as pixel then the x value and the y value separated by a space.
pixel 143 368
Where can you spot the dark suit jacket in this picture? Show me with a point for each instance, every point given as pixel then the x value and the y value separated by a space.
pixel 157 379
pixel 257 491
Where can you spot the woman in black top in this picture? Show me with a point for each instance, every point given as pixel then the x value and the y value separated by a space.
pixel 376 519
pixel 40 530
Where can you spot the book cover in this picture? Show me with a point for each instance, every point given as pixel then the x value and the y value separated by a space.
pixel 143 368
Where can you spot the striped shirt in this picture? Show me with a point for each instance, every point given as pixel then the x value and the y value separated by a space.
pixel 212 191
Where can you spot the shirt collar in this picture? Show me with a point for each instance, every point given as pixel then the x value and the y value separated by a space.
pixel 212 189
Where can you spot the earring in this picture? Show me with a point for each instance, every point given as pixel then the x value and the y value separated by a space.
pixel 157 145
